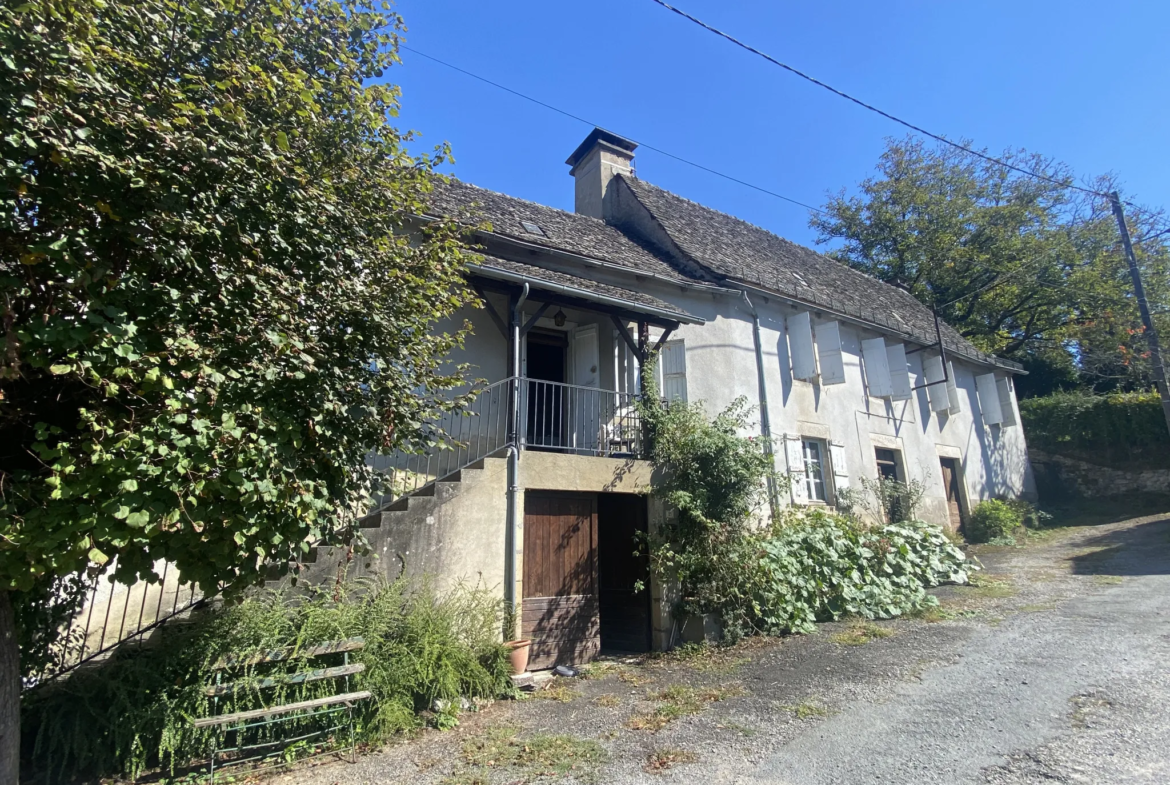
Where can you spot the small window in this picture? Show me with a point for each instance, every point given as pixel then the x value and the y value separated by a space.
pixel 887 464
pixel 532 228
pixel 672 362
pixel 814 470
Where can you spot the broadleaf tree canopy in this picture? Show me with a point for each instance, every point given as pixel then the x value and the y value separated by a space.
pixel 216 296
pixel 1021 267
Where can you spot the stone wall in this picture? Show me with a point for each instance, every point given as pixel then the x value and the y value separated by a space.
pixel 1058 477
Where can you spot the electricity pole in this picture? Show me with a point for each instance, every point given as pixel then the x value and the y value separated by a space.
pixel 1143 307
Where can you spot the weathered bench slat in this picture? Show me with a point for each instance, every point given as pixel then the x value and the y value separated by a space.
pixel 244 716
pixel 278 655
pixel 291 678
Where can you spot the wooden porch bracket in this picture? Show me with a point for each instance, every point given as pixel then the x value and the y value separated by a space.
pixel 535 318
pixel 491 310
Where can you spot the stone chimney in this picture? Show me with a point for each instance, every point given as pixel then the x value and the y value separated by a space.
pixel 595 162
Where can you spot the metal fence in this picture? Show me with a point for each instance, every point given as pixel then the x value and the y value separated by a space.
pixel 457 439
pixel 114 614
pixel 581 420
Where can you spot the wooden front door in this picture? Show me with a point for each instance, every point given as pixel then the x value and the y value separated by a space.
pixel 950 477
pixel 560 609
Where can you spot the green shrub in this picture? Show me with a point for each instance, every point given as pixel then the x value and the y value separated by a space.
pixel 818 567
pixel 133 711
pixel 1119 429
pixel 991 520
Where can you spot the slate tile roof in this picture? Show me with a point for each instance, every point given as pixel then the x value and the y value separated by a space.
pixel 562 230
pixel 557 277
pixel 737 250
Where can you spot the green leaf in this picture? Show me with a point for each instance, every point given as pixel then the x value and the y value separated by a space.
pixel 282 140
pixel 59 370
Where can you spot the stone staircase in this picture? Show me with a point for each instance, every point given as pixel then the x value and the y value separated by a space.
pixel 452 530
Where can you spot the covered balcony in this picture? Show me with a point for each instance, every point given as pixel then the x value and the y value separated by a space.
pixel 558 361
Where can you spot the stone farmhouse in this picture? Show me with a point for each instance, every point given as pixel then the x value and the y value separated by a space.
pixel 543 489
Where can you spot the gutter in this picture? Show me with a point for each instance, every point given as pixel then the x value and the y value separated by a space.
pixel 1006 365
pixel 762 392
pixel 513 512
pixel 585 294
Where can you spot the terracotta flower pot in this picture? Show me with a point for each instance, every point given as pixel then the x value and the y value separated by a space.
pixel 519 655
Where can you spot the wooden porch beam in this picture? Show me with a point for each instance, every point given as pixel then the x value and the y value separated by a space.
pixel 624 332
pixel 491 310
pixel 535 317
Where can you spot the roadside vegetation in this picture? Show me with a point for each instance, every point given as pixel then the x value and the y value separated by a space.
pixel 424 654
pixel 760 576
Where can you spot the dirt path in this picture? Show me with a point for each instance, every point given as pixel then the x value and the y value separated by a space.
pixel 1051 669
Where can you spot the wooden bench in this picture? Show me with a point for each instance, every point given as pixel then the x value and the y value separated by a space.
pixel 242 721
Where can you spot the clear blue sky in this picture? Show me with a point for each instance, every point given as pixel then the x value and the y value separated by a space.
pixel 1086 83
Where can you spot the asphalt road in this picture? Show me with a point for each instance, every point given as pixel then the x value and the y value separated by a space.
pixel 1053 671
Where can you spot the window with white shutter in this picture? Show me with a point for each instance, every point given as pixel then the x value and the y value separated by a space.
pixel 989 399
pixel 1004 388
pixel 953 397
pixel 794 455
pixel 837 463
pixel 816 489
pixel 673 360
pixel 800 346
pixel 899 372
pixel 877 367
pixel 832 362
pixel 936 391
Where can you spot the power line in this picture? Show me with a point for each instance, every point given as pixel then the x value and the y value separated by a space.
pixel 580 119
pixel 873 108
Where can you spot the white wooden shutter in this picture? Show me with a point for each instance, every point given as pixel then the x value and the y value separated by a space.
pixel 840 469
pixel 899 372
pixel 1004 388
pixel 829 353
pixel 989 399
pixel 877 367
pixel 794 454
pixel 673 359
pixel 953 395
pixel 936 392
pixel 800 346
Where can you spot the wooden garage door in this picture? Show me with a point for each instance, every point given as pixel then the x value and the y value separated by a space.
pixel 560 610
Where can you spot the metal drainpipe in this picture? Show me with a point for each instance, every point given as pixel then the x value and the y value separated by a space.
pixel 513 524
pixel 765 424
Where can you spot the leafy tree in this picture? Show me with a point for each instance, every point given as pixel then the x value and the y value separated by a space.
pixel 1021 267
pixel 215 296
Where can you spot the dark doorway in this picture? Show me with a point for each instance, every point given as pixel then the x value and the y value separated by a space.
pixel 625 611
pixel 950 478
pixel 546 371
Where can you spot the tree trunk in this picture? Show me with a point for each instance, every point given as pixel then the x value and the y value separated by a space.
pixel 9 694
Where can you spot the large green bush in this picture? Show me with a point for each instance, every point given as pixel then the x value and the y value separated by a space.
pixel 992 519
pixel 1119 429
pixel 818 567
pixel 133 711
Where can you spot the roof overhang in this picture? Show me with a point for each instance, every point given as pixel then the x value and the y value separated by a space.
pixel 581 296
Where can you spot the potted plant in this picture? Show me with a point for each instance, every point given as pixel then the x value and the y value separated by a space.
pixel 519 648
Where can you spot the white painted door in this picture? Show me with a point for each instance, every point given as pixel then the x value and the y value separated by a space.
pixel 586 407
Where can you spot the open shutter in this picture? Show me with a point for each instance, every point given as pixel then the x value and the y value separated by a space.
pixel 840 469
pixel 899 372
pixel 989 399
pixel 829 353
pixel 1004 388
pixel 877 367
pixel 800 346
pixel 794 453
pixel 936 392
pixel 673 359
pixel 953 396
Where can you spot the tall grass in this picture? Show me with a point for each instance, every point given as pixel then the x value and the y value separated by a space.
pixel 132 712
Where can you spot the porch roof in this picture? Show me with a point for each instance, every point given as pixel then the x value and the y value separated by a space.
pixel 612 299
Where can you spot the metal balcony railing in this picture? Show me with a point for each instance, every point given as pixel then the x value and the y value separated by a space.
pixel 581 420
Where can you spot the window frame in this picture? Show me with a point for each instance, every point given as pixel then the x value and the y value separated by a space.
pixel 811 478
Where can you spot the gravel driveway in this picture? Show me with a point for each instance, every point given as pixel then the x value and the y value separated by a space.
pixel 1051 669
